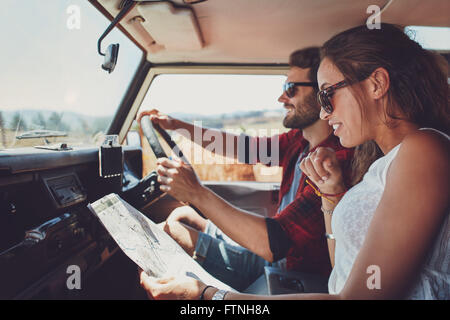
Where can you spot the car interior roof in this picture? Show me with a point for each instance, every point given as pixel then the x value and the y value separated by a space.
pixel 255 31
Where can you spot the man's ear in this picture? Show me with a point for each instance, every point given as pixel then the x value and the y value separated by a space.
pixel 380 82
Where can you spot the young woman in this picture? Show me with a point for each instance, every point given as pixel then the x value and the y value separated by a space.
pixel 391 231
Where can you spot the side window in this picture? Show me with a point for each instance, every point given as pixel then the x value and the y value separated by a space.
pixel 235 103
pixel 433 38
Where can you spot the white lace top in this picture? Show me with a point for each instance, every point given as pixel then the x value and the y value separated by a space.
pixel 351 219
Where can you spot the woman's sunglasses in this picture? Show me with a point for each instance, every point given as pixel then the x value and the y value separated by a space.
pixel 289 87
pixel 323 96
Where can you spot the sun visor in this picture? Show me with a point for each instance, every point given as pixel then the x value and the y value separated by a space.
pixel 174 28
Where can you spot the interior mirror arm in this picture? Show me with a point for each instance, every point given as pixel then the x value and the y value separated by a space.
pixel 129 4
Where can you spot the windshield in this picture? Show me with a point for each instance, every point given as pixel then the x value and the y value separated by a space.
pixel 53 88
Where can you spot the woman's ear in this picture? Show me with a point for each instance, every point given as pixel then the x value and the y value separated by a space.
pixel 380 82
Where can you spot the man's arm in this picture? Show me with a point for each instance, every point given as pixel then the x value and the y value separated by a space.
pixel 205 136
pixel 246 228
pixel 180 181
pixel 199 135
pixel 244 148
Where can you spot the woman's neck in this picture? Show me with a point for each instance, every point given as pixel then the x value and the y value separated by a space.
pixel 389 137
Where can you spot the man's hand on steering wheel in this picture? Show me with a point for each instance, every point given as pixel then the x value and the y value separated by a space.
pixel 177 177
pixel 163 120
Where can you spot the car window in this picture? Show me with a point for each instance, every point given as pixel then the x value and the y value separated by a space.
pixel 430 37
pixel 51 78
pixel 232 102
pixel 433 38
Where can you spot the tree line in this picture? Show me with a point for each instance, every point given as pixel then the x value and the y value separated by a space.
pixel 18 123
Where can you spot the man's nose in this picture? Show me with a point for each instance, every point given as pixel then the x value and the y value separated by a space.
pixel 283 98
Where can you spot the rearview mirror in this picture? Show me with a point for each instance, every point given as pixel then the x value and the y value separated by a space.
pixel 113 49
pixel 111 54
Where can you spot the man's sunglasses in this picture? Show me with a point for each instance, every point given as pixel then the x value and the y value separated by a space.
pixel 323 96
pixel 289 87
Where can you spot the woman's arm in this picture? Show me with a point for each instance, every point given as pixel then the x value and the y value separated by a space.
pixel 411 211
pixel 187 288
pixel 244 227
pixel 327 209
pixel 409 216
pixel 400 236
pixel 323 169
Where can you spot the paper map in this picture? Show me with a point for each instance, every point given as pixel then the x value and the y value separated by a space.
pixel 151 248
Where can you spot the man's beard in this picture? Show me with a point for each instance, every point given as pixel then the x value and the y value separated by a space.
pixel 303 116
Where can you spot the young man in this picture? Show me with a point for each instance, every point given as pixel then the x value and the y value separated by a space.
pixel 235 245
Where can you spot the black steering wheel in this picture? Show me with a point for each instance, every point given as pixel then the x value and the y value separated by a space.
pixel 149 130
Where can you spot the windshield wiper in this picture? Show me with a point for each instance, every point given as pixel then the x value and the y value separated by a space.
pixel 34 134
pixel 41 134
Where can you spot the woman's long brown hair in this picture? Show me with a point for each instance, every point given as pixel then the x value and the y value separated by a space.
pixel 418 91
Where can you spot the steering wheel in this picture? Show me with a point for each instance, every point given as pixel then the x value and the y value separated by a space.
pixel 148 128
pixel 152 192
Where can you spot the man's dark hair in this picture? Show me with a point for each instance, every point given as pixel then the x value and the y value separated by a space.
pixel 308 58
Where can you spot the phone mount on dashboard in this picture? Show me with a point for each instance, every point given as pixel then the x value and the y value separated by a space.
pixel 111 162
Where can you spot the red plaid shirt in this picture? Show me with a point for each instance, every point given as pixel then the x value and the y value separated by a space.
pixel 302 219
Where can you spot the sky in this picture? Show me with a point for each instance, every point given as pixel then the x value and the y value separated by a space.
pixel 46 65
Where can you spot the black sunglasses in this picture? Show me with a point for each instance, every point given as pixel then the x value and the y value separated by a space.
pixel 289 87
pixel 323 96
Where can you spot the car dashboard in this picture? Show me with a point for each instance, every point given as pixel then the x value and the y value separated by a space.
pixel 45 225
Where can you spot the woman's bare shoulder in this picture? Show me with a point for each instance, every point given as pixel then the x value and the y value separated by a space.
pixel 424 156
pixel 427 144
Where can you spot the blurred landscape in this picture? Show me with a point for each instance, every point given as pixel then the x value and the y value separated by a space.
pixel 82 129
